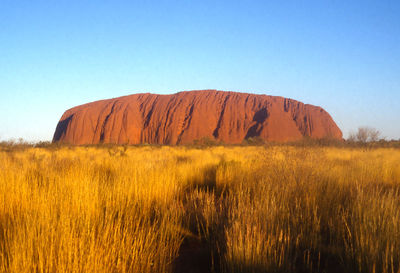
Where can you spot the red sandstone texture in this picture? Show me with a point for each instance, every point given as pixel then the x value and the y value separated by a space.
pixel 185 117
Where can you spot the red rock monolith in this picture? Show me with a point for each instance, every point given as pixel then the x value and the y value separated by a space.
pixel 185 117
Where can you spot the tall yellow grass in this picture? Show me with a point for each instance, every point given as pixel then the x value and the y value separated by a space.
pixel 181 209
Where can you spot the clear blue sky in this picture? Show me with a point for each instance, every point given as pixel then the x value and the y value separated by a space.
pixel 341 55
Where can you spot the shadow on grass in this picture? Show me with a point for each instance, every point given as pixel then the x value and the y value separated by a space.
pixel 200 251
pixel 204 250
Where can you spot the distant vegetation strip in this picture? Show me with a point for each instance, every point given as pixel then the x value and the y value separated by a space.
pixel 209 142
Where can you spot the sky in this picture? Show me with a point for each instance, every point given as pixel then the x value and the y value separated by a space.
pixel 341 55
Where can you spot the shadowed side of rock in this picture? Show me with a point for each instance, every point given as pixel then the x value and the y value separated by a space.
pixel 184 117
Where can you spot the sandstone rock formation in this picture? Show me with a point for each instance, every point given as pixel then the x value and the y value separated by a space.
pixel 184 117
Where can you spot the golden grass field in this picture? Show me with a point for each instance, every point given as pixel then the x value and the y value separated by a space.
pixel 181 209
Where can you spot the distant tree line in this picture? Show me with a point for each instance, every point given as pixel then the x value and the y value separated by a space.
pixel 364 137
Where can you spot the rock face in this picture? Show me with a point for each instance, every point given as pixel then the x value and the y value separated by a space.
pixel 184 117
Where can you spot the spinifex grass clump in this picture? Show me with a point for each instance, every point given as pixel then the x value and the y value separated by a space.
pixel 221 209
